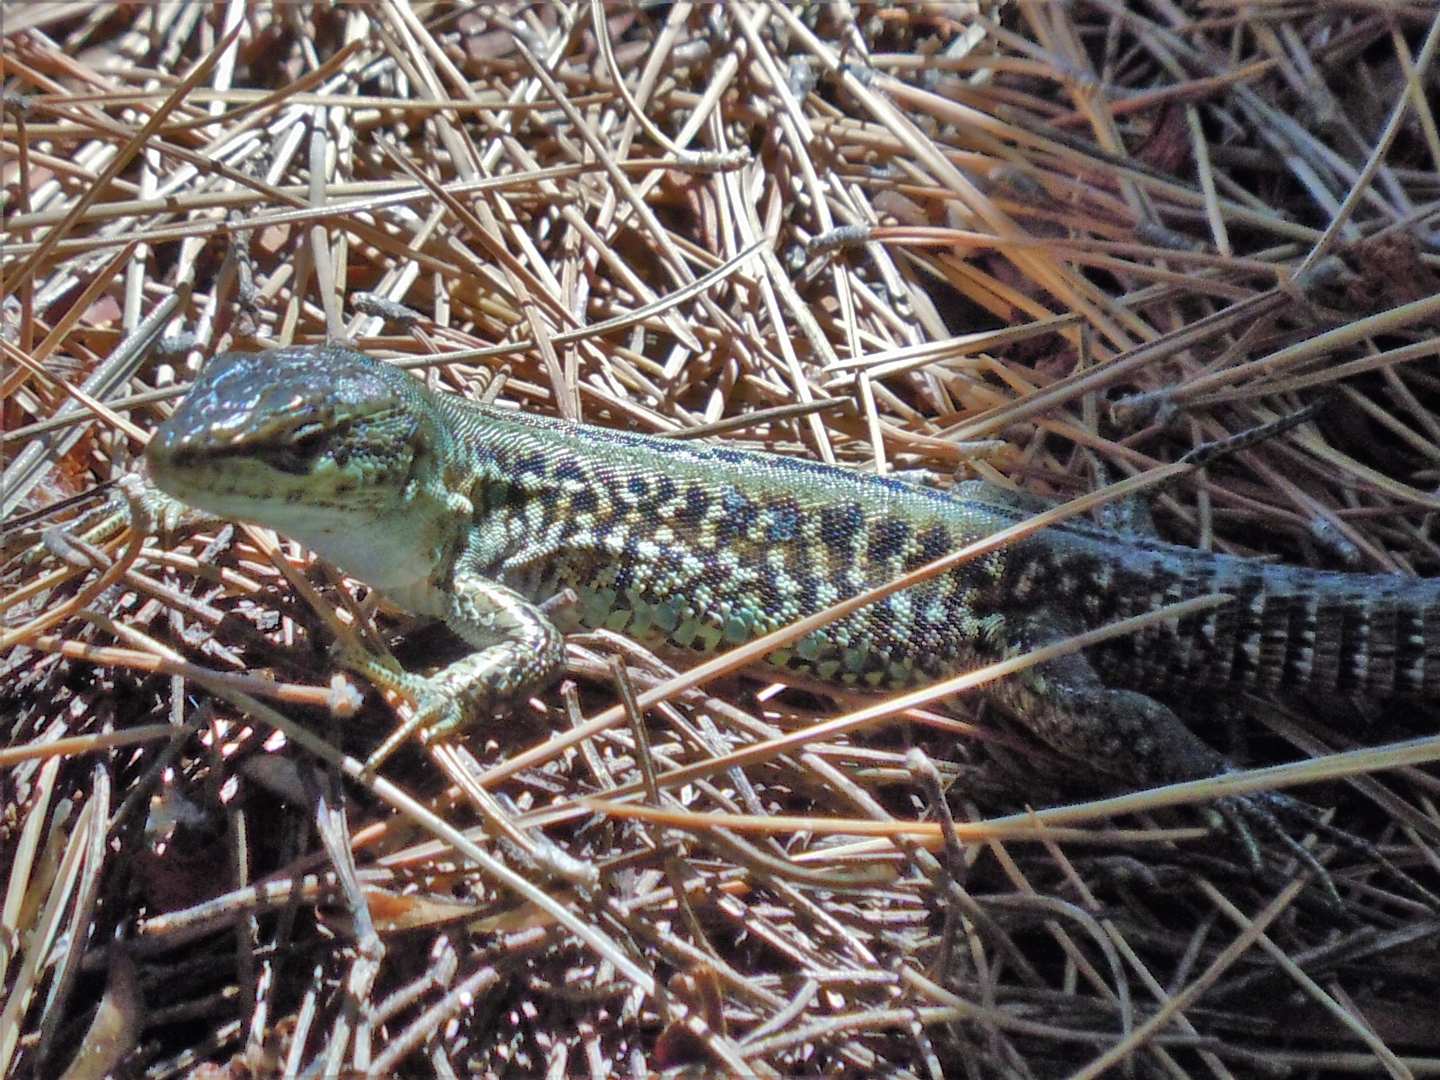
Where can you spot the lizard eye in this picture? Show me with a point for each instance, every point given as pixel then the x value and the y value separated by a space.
pixel 296 457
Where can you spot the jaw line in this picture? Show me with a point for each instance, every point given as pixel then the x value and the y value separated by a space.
pixel 206 492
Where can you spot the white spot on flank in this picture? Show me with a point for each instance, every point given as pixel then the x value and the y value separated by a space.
pixel 1251 648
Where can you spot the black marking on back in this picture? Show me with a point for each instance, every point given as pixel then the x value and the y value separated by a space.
pixel 841 526
pixel 740 513
pixel 888 540
pixel 693 510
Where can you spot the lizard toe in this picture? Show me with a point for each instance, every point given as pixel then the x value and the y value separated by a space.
pixel 1267 814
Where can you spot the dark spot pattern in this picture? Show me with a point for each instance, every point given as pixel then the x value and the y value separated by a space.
pixel 628 563
pixel 841 527
pixel 569 471
pixel 701 543
pixel 934 542
pixel 888 540
pixel 739 514
pixel 528 465
pixel 809 592
pixel 696 506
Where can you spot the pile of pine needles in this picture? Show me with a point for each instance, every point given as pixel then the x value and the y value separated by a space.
pixel 1055 245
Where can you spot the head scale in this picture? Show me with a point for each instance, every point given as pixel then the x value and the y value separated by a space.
pixel 323 426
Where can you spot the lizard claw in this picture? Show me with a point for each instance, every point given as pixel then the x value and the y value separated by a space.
pixel 436 714
pixel 1266 813
pixel 1244 816
pixel 149 510
pixel 134 503
pixel 437 709
pixel 1278 806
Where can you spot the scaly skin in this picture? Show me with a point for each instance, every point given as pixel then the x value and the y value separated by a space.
pixel 475 514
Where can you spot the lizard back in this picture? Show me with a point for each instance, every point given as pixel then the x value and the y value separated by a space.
pixel 695 548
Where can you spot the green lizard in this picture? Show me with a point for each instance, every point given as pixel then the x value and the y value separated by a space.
pixel 476 514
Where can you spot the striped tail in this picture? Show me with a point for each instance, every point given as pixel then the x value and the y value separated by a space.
pixel 1287 628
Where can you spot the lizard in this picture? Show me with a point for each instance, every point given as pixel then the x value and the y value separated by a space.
pixel 477 514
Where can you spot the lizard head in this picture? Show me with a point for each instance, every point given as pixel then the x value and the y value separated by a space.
pixel 298 439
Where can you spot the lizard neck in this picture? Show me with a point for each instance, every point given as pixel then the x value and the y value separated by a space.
pixel 408 544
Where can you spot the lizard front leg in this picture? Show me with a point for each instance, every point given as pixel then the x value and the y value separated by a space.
pixel 519 650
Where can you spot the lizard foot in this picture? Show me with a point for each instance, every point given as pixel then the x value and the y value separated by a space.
pixel 1310 817
pixel 133 503
pixel 1266 813
pixel 438 709
pixel 1270 813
